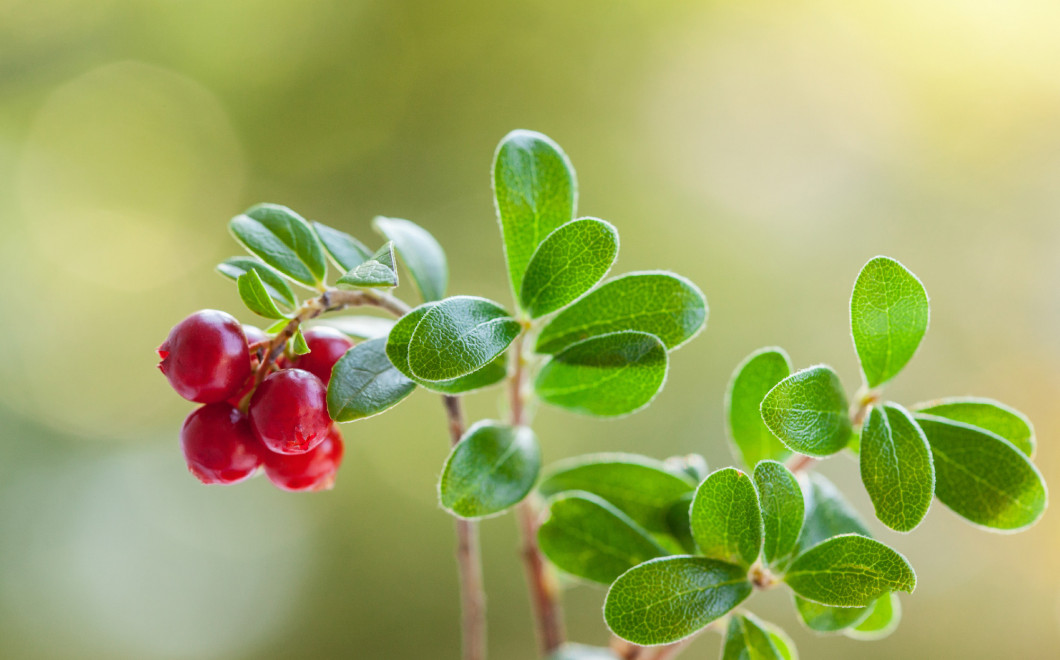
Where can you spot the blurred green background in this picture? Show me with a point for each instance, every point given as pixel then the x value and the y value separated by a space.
pixel 764 149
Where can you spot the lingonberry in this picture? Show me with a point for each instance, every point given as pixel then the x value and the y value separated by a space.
pixel 289 411
pixel 205 357
pixel 326 346
pixel 218 445
pixel 255 335
pixel 313 470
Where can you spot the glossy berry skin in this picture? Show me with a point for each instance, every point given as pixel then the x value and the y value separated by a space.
pixel 218 445
pixel 205 357
pixel 326 346
pixel 313 470
pixel 289 412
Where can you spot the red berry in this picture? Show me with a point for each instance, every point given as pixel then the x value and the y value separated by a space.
pixel 313 470
pixel 326 346
pixel 218 445
pixel 289 411
pixel 205 357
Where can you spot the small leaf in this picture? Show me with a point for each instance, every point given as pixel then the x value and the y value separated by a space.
pixel 535 192
pixel 726 519
pixel 282 239
pixel 782 509
pixel 422 254
pixel 782 641
pixel 345 250
pixel 884 617
pixel 660 303
pixel 298 344
pixel 896 467
pixel 665 600
pixel 828 514
pixel 987 414
pixel 359 327
pixel 983 477
pixel 492 468
pixel 256 297
pixel 275 285
pixel 752 380
pixel 679 523
pixel 571 651
pixel 849 571
pixel 364 383
pixel 888 318
pixel 459 336
pixel 827 619
pixel 808 412
pixel 275 328
pixel 569 262
pixel 640 487
pixel 376 272
pixel 589 538
pixel 746 639
pixel 607 376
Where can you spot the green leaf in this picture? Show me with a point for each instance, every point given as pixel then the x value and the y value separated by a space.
pixel 422 254
pixel 883 618
pixel 827 619
pixel 606 376
pixel 783 509
pixel 640 487
pixel 282 239
pixel 808 412
pixel 782 641
pixel 693 466
pixel 364 383
pixel 492 468
pixel 679 523
pixel 589 538
pixel 256 297
pixel 663 304
pixel 896 467
pixel 752 380
pixel 275 328
pixel 459 336
pixel 359 327
pixel 569 262
pixel 888 318
pixel 828 514
pixel 379 271
pixel 746 639
pixel 983 477
pixel 665 600
pixel 274 284
pixel 535 192
pixel 849 571
pixel 582 652
pixel 298 344
pixel 397 348
pixel 988 414
pixel 726 519
pixel 345 250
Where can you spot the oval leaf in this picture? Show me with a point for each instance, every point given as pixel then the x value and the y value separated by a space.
pixel 726 519
pixel 275 285
pixel 282 239
pixel 983 477
pixel 589 538
pixel 458 336
pixel 569 262
pixel 377 272
pixel 345 250
pixel 535 192
pixel 828 514
pixel 298 343
pixel 364 383
pixel 256 297
pixel 883 618
pixel 746 639
pixel 849 571
pixel 808 412
pixel 663 304
pixel 640 487
pixel 752 380
pixel 988 414
pixel 665 600
pixel 422 254
pixel 609 375
pixel 888 318
pixel 783 508
pixel 679 522
pixel 826 619
pixel 896 467
pixel 492 468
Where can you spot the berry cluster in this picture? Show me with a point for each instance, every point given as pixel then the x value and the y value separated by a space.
pixel 280 423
